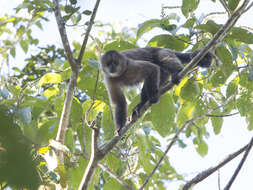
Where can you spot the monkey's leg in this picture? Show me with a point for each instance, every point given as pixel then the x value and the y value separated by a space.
pixel 144 99
pixel 118 100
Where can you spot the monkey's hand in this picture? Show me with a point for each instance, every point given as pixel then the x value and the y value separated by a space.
pixel 175 79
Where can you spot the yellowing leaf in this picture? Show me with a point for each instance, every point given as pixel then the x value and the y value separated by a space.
pixel 181 84
pixel 50 78
pixel 43 150
pixel 53 91
pixel 98 106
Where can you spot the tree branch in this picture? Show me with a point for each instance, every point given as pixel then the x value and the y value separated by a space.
pixel 123 183
pixel 187 124
pixel 92 18
pixel 94 159
pixel 240 165
pixel 203 175
pixel 64 120
pixel 75 66
pixel 63 34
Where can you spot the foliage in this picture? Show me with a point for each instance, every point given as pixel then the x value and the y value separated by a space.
pixel 31 100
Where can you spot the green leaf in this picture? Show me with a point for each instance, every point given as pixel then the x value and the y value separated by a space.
pixel 69 9
pixel 191 90
pixel 168 41
pixel 76 112
pixel 113 162
pixel 147 26
pixel 244 102
pixel 73 2
pixel 70 139
pixel 218 78
pixel 251 73
pixel 249 120
pixel 232 87
pixel 201 147
pixel 210 26
pixel 25 114
pixel 53 78
pixel 189 6
pixel 190 23
pixel 232 4
pixel 119 45
pixel 107 123
pixel 163 114
pixel 87 12
pixel 217 124
pixel 13 52
pixel 184 113
pixel 241 35
pixel 24 45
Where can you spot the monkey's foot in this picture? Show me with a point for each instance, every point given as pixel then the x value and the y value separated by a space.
pixel 117 131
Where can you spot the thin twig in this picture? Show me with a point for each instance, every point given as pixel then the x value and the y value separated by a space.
pixel 204 174
pixel 187 123
pixel 80 57
pixel 123 183
pixel 225 115
pixel 240 165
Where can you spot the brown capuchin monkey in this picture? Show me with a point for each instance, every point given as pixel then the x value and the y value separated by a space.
pixel 152 65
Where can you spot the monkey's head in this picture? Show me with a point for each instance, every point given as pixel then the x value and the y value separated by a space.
pixel 113 63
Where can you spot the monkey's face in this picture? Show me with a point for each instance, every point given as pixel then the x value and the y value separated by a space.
pixel 113 63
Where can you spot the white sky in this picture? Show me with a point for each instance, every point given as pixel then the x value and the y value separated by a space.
pixel 234 132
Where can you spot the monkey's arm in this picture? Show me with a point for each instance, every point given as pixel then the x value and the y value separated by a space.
pixel 118 101
pixel 171 64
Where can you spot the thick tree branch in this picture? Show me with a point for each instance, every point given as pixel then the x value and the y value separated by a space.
pixel 75 66
pixel 94 159
pixel 203 175
pixel 240 165
pixel 64 120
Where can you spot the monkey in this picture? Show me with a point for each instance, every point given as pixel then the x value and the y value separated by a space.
pixel 153 65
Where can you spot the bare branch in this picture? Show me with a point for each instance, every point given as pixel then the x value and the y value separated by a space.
pixel 203 175
pixel 64 120
pixel 75 66
pixel 187 124
pixel 103 167
pixel 88 32
pixel 224 115
pixel 94 159
pixel 240 165
pixel 63 33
